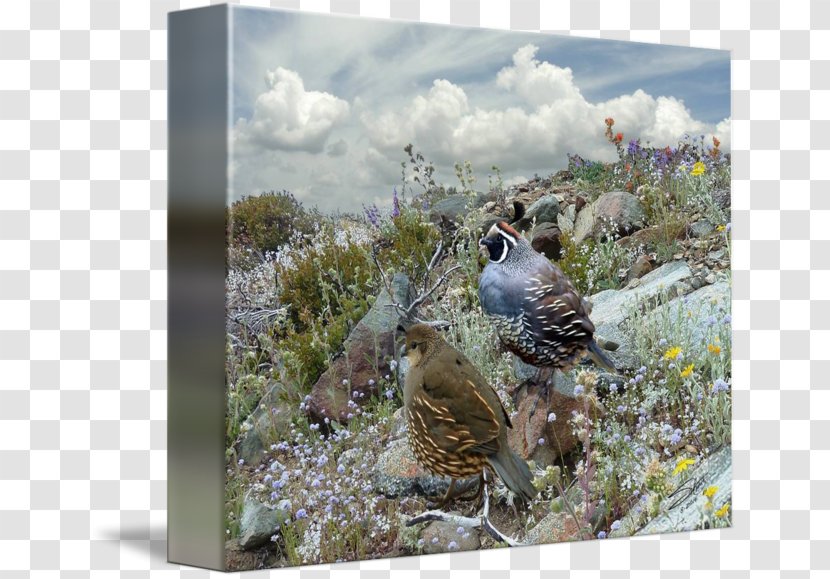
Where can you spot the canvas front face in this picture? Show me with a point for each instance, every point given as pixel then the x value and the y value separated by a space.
pixel 476 274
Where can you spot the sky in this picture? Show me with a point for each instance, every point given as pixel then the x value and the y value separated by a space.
pixel 323 106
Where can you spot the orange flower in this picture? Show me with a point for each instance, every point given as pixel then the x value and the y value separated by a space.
pixel 619 137
pixel 716 141
pixel 609 121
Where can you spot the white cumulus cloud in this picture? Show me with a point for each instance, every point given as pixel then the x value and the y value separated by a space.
pixel 289 117
pixel 551 118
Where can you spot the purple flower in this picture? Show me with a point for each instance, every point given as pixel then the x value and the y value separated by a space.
pixel 615 526
pixel 389 394
pixel 727 319
pixel 452 545
pixel 551 417
pixel 460 530
pixel 541 441
pixel 578 389
pixel 613 387
pixel 434 540
pixel 676 437
pixel 720 386
pixel 396 204
pixel 626 438
pixel 601 535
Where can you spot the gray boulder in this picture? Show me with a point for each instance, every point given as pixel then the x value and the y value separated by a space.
pixel 455 206
pixel 584 223
pixel 266 423
pixel 709 300
pixel 611 308
pixel 619 212
pixel 259 523
pixel 543 210
pixel 364 360
pixel 682 512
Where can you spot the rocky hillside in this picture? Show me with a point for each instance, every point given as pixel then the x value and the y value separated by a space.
pixel 319 469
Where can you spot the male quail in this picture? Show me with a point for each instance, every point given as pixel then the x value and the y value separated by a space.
pixel 537 313
pixel 456 422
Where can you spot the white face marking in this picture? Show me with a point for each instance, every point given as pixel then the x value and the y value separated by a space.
pixel 508 237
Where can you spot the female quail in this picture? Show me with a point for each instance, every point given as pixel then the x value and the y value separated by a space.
pixel 537 313
pixel 456 422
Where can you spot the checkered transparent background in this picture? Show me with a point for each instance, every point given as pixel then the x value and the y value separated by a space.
pixel 83 286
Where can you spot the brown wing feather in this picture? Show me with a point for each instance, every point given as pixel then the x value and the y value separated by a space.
pixel 556 314
pixel 463 406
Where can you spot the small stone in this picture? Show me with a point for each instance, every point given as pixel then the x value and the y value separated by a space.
pixel 697 282
pixel 546 240
pixel 701 228
pixel 443 537
pixel 640 267
pixel 710 279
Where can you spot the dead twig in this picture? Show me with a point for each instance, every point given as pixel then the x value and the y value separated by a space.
pixel 409 312
pixel 481 522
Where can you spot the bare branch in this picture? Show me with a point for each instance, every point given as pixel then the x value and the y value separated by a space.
pixel 422 298
pixel 382 275
pixel 433 262
pixel 482 522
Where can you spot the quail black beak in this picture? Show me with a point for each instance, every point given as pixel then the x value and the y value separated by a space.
pixel 482 248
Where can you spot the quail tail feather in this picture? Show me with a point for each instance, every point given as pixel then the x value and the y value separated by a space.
pixel 600 358
pixel 514 472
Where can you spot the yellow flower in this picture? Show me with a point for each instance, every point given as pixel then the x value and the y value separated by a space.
pixel 672 353
pixel 710 492
pixel 687 371
pixel 683 465
pixel 721 512
pixel 721 228
pixel 698 169
pixel 713 349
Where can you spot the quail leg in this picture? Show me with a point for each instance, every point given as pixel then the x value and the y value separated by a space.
pixel 478 496
pixel 544 387
pixel 435 502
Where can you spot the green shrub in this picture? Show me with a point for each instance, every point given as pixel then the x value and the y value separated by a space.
pixel 266 222
pixel 575 261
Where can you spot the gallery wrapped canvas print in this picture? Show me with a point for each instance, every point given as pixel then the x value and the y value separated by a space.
pixel 436 289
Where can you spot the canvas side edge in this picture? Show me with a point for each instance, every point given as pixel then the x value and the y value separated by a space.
pixel 197 190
